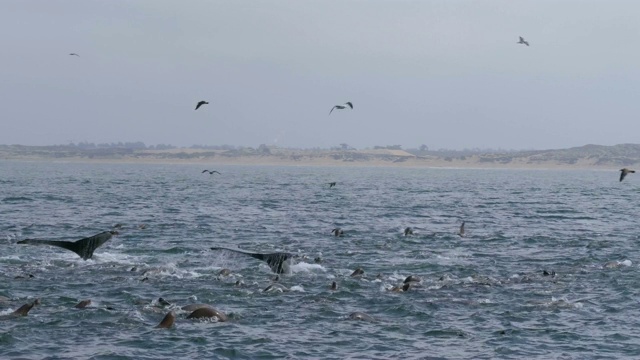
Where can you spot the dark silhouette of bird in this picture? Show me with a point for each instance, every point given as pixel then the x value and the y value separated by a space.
pixel 624 172
pixel 408 231
pixel 211 172
pixel 523 41
pixel 332 184
pixel 200 103
pixel 461 232
pixel 341 107
pixel 74 54
pixel 337 232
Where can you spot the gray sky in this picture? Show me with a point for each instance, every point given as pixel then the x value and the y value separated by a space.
pixel 445 73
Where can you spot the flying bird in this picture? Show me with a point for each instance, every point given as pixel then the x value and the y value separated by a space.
pixel 624 172
pixel 74 54
pixel 211 172
pixel 200 103
pixel 341 107
pixel 523 41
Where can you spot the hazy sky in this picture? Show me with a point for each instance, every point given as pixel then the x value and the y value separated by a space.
pixel 446 73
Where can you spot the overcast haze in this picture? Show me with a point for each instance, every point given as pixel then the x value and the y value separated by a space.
pixel 447 74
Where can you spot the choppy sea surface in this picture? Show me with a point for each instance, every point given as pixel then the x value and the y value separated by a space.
pixel 482 296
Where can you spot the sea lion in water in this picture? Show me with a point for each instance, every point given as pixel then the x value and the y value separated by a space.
pixel 402 288
pixel 279 262
pixel 163 302
pixel 408 231
pixel 194 307
pixel 461 231
pixel 334 286
pixel 208 312
pixel 224 272
pixel 360 316
pixel 357 272
pixel 276 287
pixel 337 232
pixel 167 321
pixel 22 310
pixel 83 247
pixel 411 279
pixel 83 304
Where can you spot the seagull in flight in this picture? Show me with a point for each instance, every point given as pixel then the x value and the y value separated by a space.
pixel 624 172
pixel 211 172
pixel 523 41
pixel 200 103
pixel 74 54
pixel 341 107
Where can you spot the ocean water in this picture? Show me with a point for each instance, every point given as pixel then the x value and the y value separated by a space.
pixel 483 296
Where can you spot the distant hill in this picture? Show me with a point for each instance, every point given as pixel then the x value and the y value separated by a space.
pixel 588 156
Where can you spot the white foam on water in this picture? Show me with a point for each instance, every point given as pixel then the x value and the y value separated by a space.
pixel 305 267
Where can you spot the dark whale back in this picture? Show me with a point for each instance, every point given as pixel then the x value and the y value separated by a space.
pixel 83 247
pixel 274 260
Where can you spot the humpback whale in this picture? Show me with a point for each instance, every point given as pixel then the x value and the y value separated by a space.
pixel 83 247
pixel 278 262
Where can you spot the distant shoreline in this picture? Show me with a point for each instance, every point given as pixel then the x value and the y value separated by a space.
pixel 321 162
pixel 595 157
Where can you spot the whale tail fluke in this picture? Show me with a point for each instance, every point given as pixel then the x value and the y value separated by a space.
pixel 83 247
pixel 276 261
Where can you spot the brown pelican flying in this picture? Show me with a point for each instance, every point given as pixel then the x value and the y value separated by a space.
pixel 211 172
pixel 624 172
